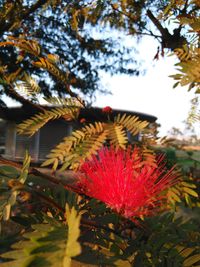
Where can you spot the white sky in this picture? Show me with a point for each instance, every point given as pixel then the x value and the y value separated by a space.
pixel 151 93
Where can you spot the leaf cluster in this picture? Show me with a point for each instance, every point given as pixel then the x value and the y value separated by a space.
pixel 64 30
pixel 86 141
pixel 189 68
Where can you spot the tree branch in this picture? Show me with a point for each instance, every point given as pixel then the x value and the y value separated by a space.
pixel 170 41
pixel 44 176
pixel 33 8
pixel 148 34
pixel 164 32
pixel 183 11
pixel 23 15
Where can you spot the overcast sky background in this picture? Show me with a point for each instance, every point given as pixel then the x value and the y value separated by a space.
pixel 151 93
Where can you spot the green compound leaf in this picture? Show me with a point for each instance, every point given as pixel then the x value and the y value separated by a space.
pixel 73 247
pixel 9 197
pixel 47 245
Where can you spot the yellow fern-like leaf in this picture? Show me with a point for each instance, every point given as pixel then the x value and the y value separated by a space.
pixel 65 102
pixel 74 20
pixel 194 259
pixel 183 190
pixel 185 252
pixel 84 150
pixel 117 135
pixel 85 142
pixel 30 46
pixel 131 123
pixel 173 195
pixel 53 58
pixel 148 156
pixel 30 84
pixel 97 127
pixel 12 77
pixel 63 151
pixel 44 63
pixel 91 146
pixel 81 144
pixel 32 125
pixel 183 53
pixel 60 153
pixel 189 260
pixel 27 86
pixel 73 247
pixel 188 67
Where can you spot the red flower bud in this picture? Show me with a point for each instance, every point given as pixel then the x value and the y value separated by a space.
pixel 82 120
pixel 107 109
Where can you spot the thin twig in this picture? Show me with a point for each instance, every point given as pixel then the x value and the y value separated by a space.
pixel 130 16
pixel 45 176
pixel 148 34
pixel 48 200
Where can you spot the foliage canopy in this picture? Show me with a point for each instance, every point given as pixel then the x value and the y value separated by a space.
pixel 83 37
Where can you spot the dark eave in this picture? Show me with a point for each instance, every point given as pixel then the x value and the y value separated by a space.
pixel 92 114
pixel 96 114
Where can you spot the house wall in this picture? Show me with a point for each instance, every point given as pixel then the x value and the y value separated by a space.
pixel 2 136
pixel 26 143
pixel 51 135
pixel 39 145
pixel 16 145
pixel 10 140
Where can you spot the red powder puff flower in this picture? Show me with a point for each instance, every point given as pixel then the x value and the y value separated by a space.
pixel 125 183
pixel 107 109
